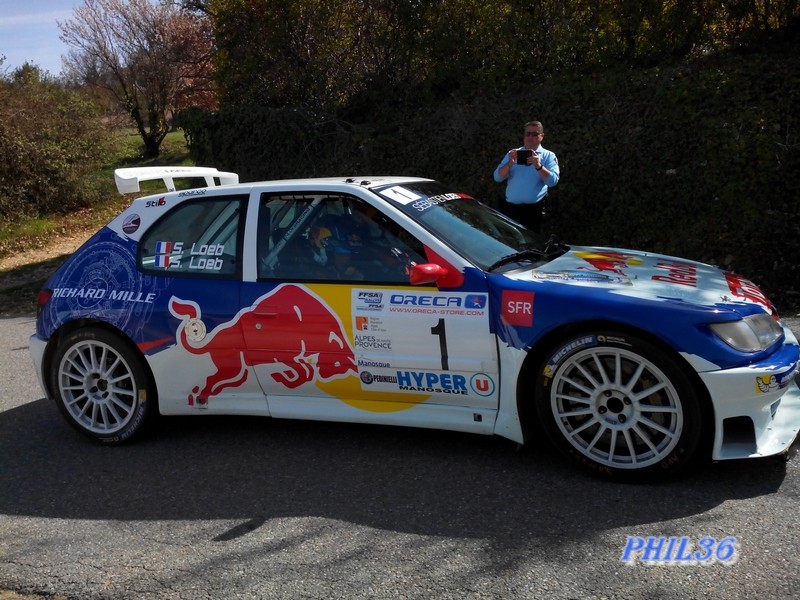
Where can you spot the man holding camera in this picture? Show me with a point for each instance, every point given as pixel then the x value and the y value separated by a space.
pixel 530 171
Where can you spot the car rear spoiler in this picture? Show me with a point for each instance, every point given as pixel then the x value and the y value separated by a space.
pixel 128 179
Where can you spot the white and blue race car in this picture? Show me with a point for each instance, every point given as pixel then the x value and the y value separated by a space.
pixel 395 300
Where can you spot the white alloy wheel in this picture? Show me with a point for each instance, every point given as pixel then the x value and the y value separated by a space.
pixel 100 386
pixel 620 406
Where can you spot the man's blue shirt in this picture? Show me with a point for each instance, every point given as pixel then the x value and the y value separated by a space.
pixel 525 186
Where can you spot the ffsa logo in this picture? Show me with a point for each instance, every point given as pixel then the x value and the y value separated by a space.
pixel 370 297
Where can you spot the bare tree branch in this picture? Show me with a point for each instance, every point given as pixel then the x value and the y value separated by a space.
pixel 154 59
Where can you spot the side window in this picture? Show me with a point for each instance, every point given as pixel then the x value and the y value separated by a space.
pixel 197 238
pixel 332 238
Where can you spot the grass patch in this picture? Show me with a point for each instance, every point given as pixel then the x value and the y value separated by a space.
pixel 26 228
pixel 130 151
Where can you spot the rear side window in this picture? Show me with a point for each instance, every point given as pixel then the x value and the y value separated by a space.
pixel 197 238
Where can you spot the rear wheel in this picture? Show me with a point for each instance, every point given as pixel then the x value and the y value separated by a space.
pixel 619 406
pixel 101 386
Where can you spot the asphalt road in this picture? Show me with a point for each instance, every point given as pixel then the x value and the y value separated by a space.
pixel 211 508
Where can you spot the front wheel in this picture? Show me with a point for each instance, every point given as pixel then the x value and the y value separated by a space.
pixel 619 406
pixel 101 386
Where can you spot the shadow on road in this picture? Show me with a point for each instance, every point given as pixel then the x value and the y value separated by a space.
pixel 406 480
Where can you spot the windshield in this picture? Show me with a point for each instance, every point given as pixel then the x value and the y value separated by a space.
pixel 479 233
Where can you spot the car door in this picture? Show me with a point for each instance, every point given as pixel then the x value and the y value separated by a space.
pixel 338 332
pixel 195 252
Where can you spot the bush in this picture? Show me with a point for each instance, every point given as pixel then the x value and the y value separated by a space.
pixel 51 141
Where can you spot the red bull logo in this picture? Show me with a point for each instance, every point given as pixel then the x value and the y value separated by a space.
pixel 290 329
pixel 609 261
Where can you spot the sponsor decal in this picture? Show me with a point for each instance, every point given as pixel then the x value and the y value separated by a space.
pixel 379 364
pixel 747 290
pixel 583 277
pixel 424 204
pixel 475 301
pixel 368 378
pixel 517 308
pixel 425 300
pixel 612 340
pixel 770 383
pixel 102 293
pixel 481 384
pixel 101 280
pixel 609 261
pixel 438 304
pixel 420 203
pixel 559 354
pixel 370 297
pixel 370 342
pixel 366 301
pixel 370 323
pixel 154 203
pixel 131 223
pixel 678 273
pixel 432 383
pixel 308 349
pixel 194 192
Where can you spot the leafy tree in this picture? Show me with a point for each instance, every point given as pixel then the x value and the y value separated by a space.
pixel 154 59
pixel 330 54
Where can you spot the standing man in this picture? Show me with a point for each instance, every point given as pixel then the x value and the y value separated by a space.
pixel 531 171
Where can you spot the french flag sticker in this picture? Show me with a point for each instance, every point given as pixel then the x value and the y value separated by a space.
pixel 164 248
pixel 163 260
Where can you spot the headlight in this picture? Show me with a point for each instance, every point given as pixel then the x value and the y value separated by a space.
pixel 752 334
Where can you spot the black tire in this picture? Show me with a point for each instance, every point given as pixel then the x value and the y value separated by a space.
pixel 619 406
pixel 101 387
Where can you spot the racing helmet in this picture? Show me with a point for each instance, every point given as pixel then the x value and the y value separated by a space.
pixel 339 235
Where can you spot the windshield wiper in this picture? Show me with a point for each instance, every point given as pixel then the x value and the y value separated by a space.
pixel 530 255
pixel 554 248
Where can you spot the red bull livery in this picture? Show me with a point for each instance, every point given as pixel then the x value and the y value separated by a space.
pixel 398 301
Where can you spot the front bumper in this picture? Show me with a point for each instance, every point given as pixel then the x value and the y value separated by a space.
pixel 757 407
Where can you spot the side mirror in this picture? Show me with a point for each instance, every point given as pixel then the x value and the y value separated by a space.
pixel 426 273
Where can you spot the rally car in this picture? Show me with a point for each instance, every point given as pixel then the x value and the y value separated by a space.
pixel 396 300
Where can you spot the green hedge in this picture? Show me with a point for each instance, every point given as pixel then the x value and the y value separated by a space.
pixel 699 159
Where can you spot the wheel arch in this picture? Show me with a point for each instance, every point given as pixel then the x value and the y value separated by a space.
pixel 84 323
pixel 534 363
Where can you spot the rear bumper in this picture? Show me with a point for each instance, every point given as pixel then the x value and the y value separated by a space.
pixel 756 408
pixel 37 348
